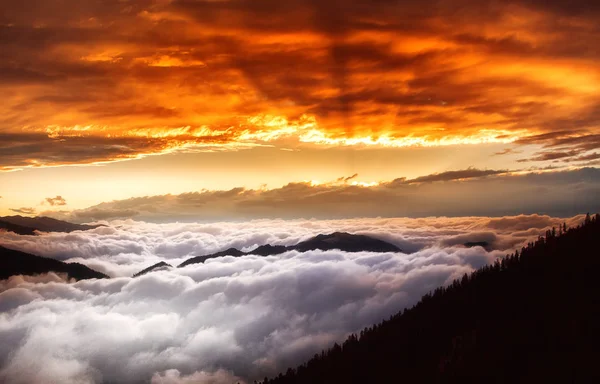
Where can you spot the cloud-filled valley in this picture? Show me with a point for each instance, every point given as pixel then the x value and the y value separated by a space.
pixel 230 318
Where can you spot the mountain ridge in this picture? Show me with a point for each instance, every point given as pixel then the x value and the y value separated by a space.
pixel 160 266
pixel 13 262
pixel 337 240
pixel 23 225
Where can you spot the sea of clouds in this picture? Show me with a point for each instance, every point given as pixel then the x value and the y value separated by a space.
pixel 230 319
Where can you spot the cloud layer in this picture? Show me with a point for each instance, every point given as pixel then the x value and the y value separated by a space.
pixel 230 318
pixel 455 193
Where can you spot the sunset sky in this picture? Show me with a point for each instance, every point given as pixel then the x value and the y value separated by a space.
pixel 261 179
pixel 303 103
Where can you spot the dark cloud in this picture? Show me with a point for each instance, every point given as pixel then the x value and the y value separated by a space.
pixel 346 179
pixel 590 157
pixel 58 200
pixel 455 175
pixel 549 155
pixel 35 150
pixel 506 151
pixel 564 145
pixel 469 173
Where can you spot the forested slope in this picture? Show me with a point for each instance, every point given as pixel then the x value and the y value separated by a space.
pixel 532 317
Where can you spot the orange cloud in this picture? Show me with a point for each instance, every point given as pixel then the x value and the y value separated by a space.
pixel 87 84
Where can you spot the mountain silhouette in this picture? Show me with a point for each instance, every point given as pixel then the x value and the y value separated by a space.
pixel 162 266
pixel 484 244
pixel 345 242
pixel 201 259
pixel 28 225
pixel 13 262
pixel 531 317
pixel 338 240
pixel 18 229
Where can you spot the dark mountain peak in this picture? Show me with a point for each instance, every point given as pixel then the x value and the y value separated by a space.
pixel 23 225
pixel 162 266
pixel 230 252
pixel 346 242
pixel 268 250
pixel 484 244
pixel 337 240
pixel 13 262
pixel 335 235
pixel 201 259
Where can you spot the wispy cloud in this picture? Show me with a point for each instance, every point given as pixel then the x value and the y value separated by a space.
pixel 56 201
pixel 24 210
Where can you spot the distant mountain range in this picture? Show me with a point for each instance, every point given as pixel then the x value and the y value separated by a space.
pixel 14 262
pixel 342 241
pixel 338 240
pixel 27 264
pixel 28 225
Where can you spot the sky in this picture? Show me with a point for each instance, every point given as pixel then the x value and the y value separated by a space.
pixel 187 127
pixel 105 101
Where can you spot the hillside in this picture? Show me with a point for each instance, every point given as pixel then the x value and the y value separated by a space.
pixel 531 318
pixel 18 229
pixel 28 225
pixel 14 262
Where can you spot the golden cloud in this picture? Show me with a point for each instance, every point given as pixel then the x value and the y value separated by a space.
pixel 146 77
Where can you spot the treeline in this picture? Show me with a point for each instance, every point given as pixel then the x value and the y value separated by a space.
pixel 531 317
